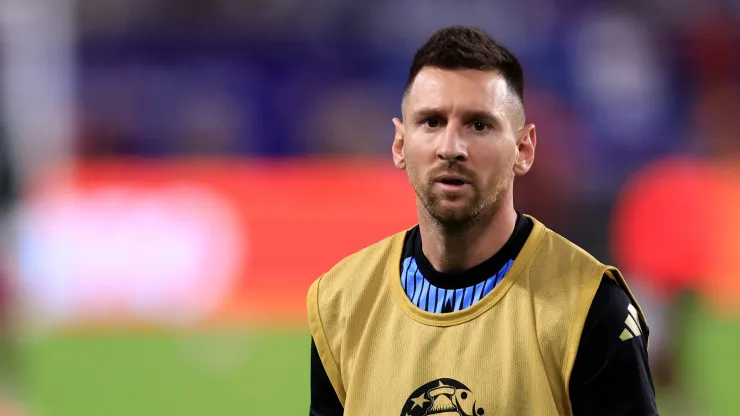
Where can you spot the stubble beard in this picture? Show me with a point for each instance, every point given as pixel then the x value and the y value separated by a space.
pixel 481 206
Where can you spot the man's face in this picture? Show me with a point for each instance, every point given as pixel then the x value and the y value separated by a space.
pixel 458 142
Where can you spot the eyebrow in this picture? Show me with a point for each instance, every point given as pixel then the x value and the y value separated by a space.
pixel 482 116
pixel 425 113
pixel 429 112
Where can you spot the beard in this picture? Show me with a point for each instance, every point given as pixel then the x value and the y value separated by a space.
pixel 468 207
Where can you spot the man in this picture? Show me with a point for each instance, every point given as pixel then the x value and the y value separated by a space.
pixel 479 309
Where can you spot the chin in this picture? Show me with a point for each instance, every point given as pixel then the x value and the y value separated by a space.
pixel 460 212
pixel 447 215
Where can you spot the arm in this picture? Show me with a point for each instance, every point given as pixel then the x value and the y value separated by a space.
pixel 324 400
pixel 611 375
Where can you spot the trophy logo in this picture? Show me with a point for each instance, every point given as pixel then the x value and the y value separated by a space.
pixel 442 397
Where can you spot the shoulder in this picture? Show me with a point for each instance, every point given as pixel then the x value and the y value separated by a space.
pixel 566 248
pixel 614 323
pixel 365 260
pixel 554 243
pixel 610 296
pixel 614 317
pixel 613 352
pixel 333 299
pixel 358 268
pixel 562 257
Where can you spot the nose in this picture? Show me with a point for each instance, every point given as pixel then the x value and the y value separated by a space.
pixel 451 146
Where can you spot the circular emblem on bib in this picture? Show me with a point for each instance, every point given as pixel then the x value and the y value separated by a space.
pixel 442 397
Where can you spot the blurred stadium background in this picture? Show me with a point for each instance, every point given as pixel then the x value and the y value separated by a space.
pixel 174 174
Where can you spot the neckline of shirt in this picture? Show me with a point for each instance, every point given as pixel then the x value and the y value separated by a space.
pixel 393 280
pixel 477 274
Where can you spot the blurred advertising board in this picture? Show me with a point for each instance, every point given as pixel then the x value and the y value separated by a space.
pixel 186 242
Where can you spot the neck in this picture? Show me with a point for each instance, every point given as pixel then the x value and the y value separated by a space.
pixel 452 250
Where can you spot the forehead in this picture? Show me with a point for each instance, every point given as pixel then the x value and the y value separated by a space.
pixel 464 89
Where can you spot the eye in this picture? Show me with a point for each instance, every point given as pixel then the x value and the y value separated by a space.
pixel 479 126
pixel 432 122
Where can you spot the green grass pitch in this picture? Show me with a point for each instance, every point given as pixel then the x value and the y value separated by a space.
pixel 235 372
pixel 255 372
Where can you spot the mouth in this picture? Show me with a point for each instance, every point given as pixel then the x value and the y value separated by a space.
pixel 452 183
pixel 451 180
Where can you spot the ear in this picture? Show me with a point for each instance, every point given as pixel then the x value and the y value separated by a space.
pixel 398 158
pixel 526 144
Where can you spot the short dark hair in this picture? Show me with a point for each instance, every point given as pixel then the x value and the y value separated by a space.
pixel 466 47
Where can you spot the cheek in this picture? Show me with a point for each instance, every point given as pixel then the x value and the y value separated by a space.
pixel 422 142
pixel 411 159
pixel 499 164
pixel 418 153
pixel 506 154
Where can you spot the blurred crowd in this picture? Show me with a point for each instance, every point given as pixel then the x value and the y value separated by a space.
pixel 611 85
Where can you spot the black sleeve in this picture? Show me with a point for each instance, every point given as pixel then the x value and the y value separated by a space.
pixel 324 399
pixel 611 375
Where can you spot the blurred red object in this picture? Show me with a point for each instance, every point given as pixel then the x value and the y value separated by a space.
pixel 676 226
pixel 292 220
